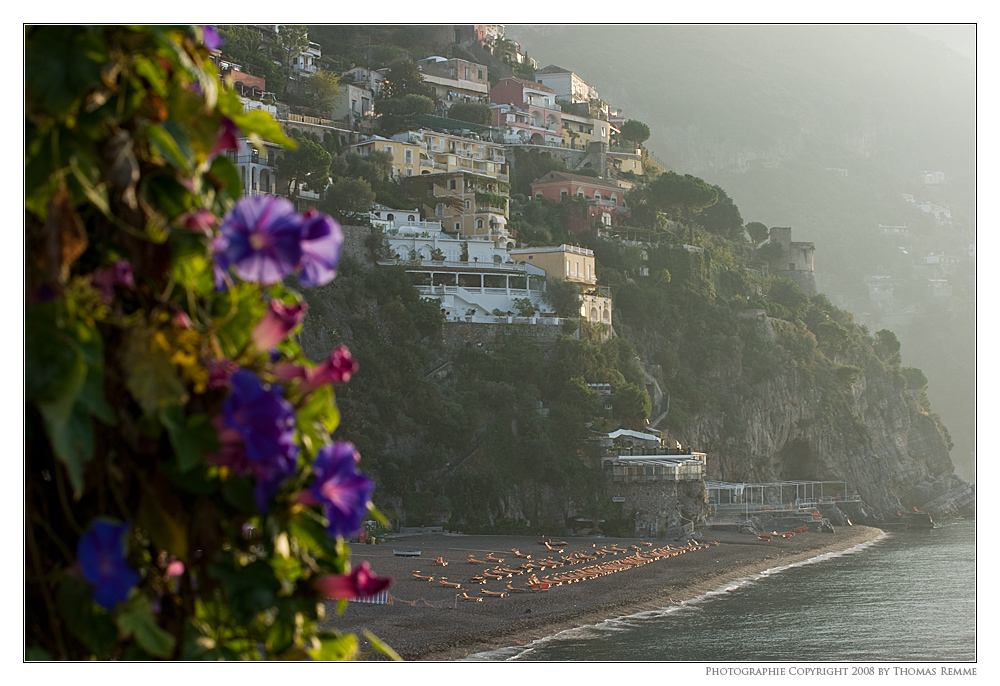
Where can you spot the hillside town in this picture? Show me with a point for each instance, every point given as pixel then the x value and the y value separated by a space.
pixel 444 133
pixel 455 240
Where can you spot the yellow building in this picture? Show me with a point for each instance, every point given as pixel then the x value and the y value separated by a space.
pixel 468 205
pixel 406 156
pixel 578 131
pixel 569 262
pixel 575 264
pixel 444 152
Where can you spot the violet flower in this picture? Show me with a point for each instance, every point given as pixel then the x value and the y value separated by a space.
pixel 118 274
pixel 260 239
pixel 280 320
pixel 210 37
pixel 101 555
pixel 340 488
pixel 360 583
pixel 265 422
pixel 322 240
pixel 337 368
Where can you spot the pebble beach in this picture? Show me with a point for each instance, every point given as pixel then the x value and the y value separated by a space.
pixel 443 613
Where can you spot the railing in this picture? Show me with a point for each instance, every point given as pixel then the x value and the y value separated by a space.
pixel 491 319
pixel 626 473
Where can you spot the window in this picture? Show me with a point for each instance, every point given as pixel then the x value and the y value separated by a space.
pixel 480 74
pixel 452 184
pixel 569 271
pixel 468 204
pixel 387 148
pixel 409 171
pixel 408 156
pixel 538 196
pixel 466 73
pixel 458 227
pixel 439 210
pixel 479 223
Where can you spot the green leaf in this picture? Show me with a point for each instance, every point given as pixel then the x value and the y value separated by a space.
pixel 379 646
pixel 55 369
pixel 72 440
pixel 234 334
pixel 227 177
pixel 191 437
pixel 258 124
pixel 84 619
pixel 137 620
pixel 163 140
pixel 65 64
pixel 250 589
pixel 149 375
pixel 308 528
pixel 335 647
pixel 191 265
pixel 320 409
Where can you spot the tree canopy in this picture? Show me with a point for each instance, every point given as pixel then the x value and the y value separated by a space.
pixel 403 77
pixel 305 168
pixel 635 131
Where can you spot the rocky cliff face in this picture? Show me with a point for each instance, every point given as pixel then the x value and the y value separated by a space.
pixel 883 444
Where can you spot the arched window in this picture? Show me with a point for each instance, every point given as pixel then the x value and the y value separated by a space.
pixel 389 217
pixel 593 315
pixel 468 204
pixel 409 217
pixel 479 223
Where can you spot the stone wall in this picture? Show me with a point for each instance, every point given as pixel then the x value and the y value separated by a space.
pixel 668 509
pixel 461 334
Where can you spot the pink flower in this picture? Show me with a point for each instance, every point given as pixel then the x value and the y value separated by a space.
pixel 228 137
pixel 175 568
pixel 219 373
pixel 199 221
pixel 338 368
pixel 360 583
pixel 118 274
pixel 280 320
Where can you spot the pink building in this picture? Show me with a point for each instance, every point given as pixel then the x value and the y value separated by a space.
pixel 605 198
pixel 528 109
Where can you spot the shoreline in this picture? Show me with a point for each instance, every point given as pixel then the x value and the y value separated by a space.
pixel 429 622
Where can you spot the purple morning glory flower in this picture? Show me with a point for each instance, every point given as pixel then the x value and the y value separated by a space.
pixel 341 489
pixel 322 239
pixel 101 554
pixel 265 422
pixel 260 238
pixel 211 38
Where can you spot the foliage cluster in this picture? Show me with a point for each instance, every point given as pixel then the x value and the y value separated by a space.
pixel 178 458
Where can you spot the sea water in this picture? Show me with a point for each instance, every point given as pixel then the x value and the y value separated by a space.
pixel 909 596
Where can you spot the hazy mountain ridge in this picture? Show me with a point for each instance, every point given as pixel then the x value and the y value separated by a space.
pixel 772 113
